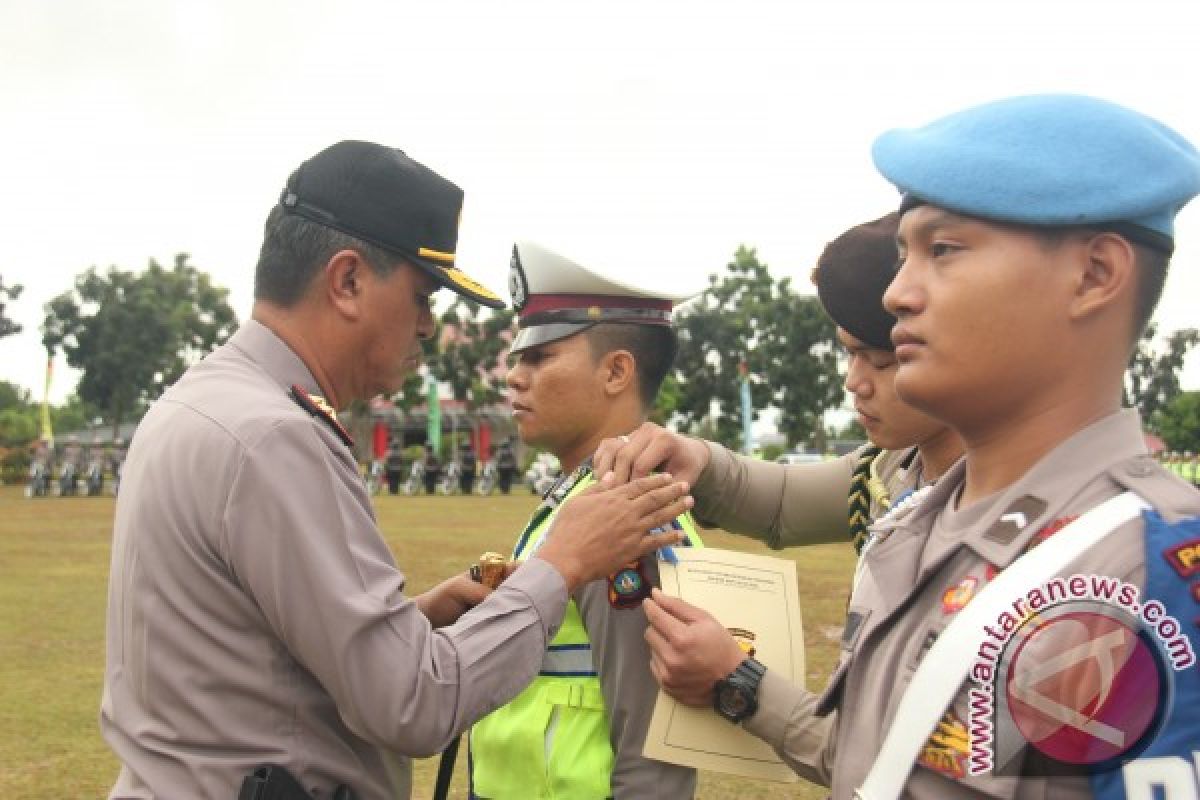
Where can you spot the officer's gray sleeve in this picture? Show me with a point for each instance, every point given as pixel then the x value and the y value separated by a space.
pixel 622 658
pixel 299 537
pixel 786 720
pixel 797 504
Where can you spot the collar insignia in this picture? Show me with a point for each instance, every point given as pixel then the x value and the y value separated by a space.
pixel 316 405
pixel 1015 519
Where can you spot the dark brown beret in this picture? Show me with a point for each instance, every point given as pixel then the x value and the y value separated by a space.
pixel 852 275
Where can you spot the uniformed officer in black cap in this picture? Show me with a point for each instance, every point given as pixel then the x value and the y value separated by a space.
pixel 255 613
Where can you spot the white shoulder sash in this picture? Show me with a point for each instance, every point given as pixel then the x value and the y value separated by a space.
pixel 945 667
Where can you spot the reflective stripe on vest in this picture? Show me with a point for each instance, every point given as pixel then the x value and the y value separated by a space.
pixel 552 740
pixel 568 659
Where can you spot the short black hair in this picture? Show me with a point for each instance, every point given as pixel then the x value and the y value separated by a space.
pixel 653 348
pixel 295 248
pixel 1152 275
pixel 1151 263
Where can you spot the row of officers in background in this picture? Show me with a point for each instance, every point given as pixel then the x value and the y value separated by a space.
pixel 74 468
pixel 461 474
pixel 1186 465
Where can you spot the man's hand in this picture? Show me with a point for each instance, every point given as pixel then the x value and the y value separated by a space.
pixel 445 603
pixel 689 650
pixel 651 448
pixel 606 526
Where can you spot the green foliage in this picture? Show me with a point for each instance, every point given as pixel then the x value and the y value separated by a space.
pixel 1152 378
pixel 18 427
pixel 8 293
pixel 785 340
pixel 472 341
pixel 801 360
pixel 851 430
pixel 134 334
pixel 13 396
pixel 75 415
pixel 412 393
pixel 771 452
pixel 1178 423
pixel 667 401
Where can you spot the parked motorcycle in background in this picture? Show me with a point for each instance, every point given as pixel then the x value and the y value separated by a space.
pixel 375 477
pixel 68 480
pixel 415 478
pixel 487 478
pixel 94 480
pixel 450 477
pixel 39 480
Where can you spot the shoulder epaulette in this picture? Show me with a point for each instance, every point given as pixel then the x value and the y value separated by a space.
pixel 316 405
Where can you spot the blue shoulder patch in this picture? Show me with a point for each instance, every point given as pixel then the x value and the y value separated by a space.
pixel 1173 583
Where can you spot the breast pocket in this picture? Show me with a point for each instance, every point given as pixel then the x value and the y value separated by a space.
pixel 947 751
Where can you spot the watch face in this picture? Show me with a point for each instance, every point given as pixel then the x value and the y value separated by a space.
pixel 734 701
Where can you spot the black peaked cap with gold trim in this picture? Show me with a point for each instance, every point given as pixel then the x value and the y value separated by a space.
pixel 555 297
pixel 380 195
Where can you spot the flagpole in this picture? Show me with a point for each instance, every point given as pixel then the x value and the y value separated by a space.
pixel 47 428
pixel 747 410
pixel 433 405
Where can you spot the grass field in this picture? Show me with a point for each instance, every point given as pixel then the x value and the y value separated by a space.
pixel 54 555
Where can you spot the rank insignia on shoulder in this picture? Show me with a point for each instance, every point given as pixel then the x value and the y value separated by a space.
pixel 628 587
pixel 315 404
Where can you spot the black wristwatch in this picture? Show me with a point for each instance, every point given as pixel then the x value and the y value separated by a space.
pixel 735 697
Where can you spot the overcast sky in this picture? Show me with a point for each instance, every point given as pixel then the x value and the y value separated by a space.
pixel 649 137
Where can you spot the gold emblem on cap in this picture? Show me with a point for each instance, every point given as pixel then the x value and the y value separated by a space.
pixel 594 312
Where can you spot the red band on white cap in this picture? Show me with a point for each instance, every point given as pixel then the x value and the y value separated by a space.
pixel 540 303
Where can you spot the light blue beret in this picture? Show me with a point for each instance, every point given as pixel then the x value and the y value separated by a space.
pixel 1048 160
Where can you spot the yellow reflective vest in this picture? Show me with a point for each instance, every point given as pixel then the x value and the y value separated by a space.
pixel 552 740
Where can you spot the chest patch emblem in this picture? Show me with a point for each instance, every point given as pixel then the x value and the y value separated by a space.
pixel 946 749
pixel 628 587
pixel 955 598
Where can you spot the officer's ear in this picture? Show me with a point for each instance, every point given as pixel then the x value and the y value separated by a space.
pixel 1106 276
pixel 620 369
pixel 341 282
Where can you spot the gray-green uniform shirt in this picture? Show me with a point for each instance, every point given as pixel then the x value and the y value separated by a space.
pixel 256 615
pixel 797 504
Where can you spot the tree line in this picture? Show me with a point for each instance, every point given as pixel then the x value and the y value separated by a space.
pixel 132 334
